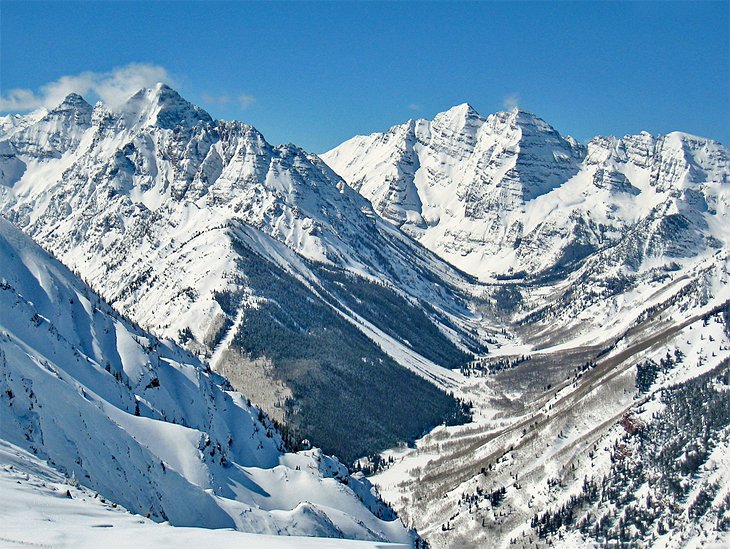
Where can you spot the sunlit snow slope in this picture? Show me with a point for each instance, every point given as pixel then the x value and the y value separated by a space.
pixel 41 507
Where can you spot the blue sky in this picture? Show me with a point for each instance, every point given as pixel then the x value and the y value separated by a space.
pixel 317 73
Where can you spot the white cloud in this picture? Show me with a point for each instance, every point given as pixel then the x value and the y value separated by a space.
pixel 414 107
pixel 512 101
pixel 112 87
pixel 245 100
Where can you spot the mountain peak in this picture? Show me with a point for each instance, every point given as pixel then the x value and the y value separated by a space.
pixel 74 99
pixel 162 87
pixel 463 111
pixel 73 102
pixel 465 108
pixel 461 120
pixel 164 94
pixel 162 106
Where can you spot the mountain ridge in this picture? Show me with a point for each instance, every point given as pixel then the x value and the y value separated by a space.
pixel 161 219
pixel 146 424
pixel 474 203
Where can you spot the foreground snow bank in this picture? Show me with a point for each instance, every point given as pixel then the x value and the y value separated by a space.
pixel 41 508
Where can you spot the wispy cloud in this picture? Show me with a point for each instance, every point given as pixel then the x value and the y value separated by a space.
pixel 511 101
pixel 414 107
pixel 215 99
pixel 245 100
pixel 112 87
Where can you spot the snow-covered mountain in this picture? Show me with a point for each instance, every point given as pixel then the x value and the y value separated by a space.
pixel 540 280
pixel 508 195
pixel 256 257
pixel 144 424
pixel 623 439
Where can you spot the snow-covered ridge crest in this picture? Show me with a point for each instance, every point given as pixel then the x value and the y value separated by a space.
pixel 160 159
pixel 159 151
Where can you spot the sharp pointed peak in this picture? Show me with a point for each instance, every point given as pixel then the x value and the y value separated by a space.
pixel 459 116
pixel 163 106
pixel 73 101
pixel 158 90
pixel 163 91
pixel 74 98
pixel 465 110
pixel 465 106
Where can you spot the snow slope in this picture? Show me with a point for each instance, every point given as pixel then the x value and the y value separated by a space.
pixel 588 263
pixel 149 427
pixel 41 507
pixel 617 436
